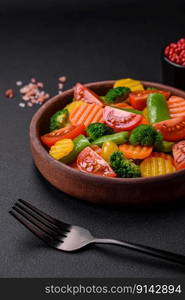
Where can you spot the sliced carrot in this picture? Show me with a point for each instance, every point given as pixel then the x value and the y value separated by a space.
pixel 163 155
pixel 176 106
pixel 136 152
pixel 86 114
pixel 123 105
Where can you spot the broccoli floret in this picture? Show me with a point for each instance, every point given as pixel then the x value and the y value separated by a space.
pixel 123 167
pixel 117 94
pixel 145 135
pixel 59 119
pixel 97 130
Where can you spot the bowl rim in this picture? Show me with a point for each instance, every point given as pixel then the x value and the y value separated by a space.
pixel 35 140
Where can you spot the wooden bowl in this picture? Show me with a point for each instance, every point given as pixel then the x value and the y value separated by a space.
pixel 93 188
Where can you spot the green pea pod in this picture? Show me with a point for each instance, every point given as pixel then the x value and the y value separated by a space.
pixel 80 142
pixel 157 108
pixel 118 138
pixel 164 146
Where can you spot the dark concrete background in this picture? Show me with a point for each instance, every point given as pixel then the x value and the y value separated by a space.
pixel 86 41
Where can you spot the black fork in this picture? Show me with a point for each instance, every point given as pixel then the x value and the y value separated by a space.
pixel 66 237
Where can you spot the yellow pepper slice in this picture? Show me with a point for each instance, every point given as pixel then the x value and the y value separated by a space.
pixel 107 149
pixel 154 166
pixel 134 85
pixel 61 148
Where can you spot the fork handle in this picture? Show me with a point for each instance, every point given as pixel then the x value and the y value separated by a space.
pixel 145 249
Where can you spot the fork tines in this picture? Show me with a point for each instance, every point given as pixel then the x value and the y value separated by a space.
pixel 45 227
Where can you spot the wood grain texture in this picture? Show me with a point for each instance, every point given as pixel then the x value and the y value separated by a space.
pixel 97 189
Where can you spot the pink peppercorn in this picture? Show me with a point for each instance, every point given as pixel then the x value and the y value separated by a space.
pixel 175 52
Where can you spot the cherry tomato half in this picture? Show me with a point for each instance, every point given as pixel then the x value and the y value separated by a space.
pixel 120 120
pixel 89 161
pixel 173 129
pixel 83 93
pixel 138 98
pixel 179 155
pixel 68 132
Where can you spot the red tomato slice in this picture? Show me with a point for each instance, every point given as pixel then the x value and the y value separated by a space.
pixel 89 161
pixel 138 98
pixel 83 93
pixel 120 120
pixel 173 129
pixel 69 132
pixel 179 155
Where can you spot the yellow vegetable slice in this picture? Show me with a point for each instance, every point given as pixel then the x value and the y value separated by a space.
pixel 134 85
pixel 73 105
pixel 163 155
pixel 154 166
pixel 61 148
pixel 107 149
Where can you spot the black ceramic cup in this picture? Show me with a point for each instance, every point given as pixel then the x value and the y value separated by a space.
pixel 172 73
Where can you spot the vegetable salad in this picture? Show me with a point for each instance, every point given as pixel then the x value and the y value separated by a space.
pixel 128 132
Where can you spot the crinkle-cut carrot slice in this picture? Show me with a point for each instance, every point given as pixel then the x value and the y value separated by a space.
pixel 136 152
pixel 154 166
pixel 163 155
pixel 176 106
pixel 86 114
pixel 72 105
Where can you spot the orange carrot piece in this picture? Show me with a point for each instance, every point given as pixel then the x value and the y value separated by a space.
pixel 123 105
pixel 176 106
pixel 163 155
pixel 136 152
pixel 144 121
pixel 86 114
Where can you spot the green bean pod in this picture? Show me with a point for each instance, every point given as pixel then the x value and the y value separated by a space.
pixel 117 138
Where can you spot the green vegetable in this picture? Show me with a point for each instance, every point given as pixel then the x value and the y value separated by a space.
pixel 96 130
pixel 164 146
pixel 80 142
pixel 157 108
pixel 117 94
pixel 151 88
pixel 59 119
pixel 124 168
pixel 145 135
pixel 117 138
